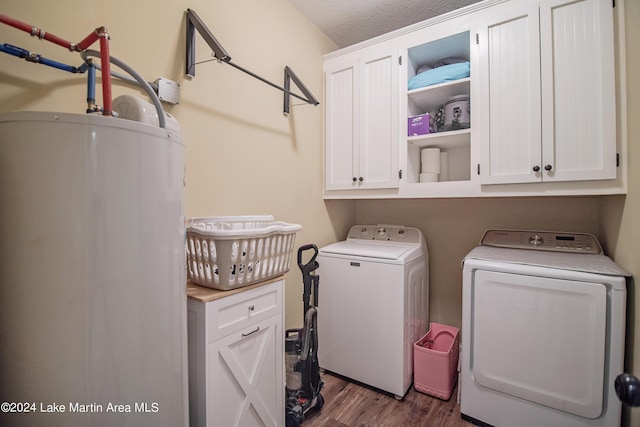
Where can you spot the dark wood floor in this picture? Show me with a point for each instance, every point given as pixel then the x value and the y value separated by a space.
pixel 350 404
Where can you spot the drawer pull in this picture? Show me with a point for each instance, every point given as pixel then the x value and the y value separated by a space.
pixel 251 333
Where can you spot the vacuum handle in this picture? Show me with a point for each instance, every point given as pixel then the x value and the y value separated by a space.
pixel 312 261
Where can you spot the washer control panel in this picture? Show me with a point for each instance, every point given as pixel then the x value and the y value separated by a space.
pixel 542 240
pixel 385 233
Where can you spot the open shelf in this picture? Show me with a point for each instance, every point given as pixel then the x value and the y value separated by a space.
pixel 452 139
pixel 429 98
pixel 456 144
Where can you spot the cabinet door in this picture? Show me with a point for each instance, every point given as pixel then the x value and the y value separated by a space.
pixel 578 90
pixel 548 85
pixel 379 99
pixel 362 98
pixel 510 94
pixel 246 386
pixel 341 124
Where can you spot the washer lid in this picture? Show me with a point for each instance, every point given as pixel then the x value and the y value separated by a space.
pixel 587 263
pixel 377 250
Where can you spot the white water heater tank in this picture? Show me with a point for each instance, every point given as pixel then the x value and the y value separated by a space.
pixel 92 272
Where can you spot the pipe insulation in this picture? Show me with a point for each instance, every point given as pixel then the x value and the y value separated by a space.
pixel 37 32
pixel 105 58
pixel 106 74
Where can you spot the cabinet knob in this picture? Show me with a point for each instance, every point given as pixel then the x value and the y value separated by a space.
pixel 548 168
pixel 355 179
pixel 536 168
pixel 252 307
pixel 361 179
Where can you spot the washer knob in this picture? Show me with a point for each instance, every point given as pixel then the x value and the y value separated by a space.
pixel 536 240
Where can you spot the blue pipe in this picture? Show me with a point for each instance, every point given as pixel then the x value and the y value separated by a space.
pixel 91 83
pixel 36 58
pixel 83 68
pixel 12 50
pixel 91 67
pixel 58 65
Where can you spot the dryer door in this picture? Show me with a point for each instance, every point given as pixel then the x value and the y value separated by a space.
pixel 540 339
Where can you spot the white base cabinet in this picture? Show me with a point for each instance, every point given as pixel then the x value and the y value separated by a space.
pixel 236 358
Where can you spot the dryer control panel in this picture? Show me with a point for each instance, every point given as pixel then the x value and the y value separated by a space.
pixel 386 233
pixel 543 240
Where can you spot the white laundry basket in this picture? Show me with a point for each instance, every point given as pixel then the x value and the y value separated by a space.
pixel 234 251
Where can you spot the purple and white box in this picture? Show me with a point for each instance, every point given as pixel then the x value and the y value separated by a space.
pixel 418 125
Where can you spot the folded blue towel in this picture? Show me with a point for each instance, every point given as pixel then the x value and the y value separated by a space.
pixel 440 75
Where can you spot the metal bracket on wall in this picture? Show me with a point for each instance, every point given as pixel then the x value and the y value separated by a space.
pixel 195 23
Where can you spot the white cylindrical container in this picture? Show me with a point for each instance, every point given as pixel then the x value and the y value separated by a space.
pixel 92 271
pixel 444 166
pixel 428 177
pixel 430 160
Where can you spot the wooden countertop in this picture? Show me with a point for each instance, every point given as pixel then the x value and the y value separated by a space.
pixel 204 294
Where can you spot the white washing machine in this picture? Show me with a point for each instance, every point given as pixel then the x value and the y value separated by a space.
pixel 373 305
pixel 543 331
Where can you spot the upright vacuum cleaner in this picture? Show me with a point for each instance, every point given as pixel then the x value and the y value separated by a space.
pixel 301 350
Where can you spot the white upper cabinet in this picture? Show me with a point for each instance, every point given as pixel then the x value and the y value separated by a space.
pixel 540 110
pixel 547 92
pixel 341 110
pixel 361 110
pixel 578 91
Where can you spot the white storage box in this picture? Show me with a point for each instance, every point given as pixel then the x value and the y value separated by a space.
pixel 234 251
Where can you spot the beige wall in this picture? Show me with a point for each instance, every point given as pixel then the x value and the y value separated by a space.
pixel 620 215
pixel 452 227
pixel 242 155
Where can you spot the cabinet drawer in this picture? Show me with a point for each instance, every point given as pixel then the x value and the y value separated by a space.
pixel 235 312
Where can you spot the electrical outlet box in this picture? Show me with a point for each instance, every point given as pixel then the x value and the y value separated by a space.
pixel 168 90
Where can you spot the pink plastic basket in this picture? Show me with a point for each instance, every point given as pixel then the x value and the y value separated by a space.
pixel 435 361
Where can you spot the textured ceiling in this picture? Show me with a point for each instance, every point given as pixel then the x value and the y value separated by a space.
pixel 347 22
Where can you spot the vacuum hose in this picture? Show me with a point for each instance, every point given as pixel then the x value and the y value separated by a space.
pixel 292 348
pixel 310 323
pixel 298 346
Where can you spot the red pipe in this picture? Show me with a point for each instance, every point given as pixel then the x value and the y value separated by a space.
pixel 99 33
pixel 36 32
pixel 90 39
pixel 105 64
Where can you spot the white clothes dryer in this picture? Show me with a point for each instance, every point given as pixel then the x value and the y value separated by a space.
pixel 543 331
pixel 373 304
